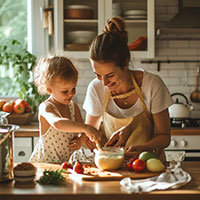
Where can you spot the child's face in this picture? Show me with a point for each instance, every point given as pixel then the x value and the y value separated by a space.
pixel 63 91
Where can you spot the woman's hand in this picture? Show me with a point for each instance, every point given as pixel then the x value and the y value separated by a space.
pixel 137 149
pixel 119 137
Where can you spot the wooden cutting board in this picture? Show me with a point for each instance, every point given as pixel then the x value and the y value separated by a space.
pixel 92 173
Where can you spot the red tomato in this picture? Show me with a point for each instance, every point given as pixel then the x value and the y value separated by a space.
pixel 130 162
pixel 66 165
pixel 139 165
pixel 78 168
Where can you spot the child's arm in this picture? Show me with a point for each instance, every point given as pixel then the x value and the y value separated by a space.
pixel 48 114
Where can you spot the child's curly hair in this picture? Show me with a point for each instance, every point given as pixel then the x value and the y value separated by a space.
pixel 48 68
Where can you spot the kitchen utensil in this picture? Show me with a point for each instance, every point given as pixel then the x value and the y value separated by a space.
pixel 98 145
pixel 6 151
pixel 179 109
pixel 50 22
pixel 80 37
pixel 195 96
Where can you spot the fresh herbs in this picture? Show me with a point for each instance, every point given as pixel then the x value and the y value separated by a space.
pixel 21 62
pixel 51 177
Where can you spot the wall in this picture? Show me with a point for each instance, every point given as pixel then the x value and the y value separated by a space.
pixel 179 77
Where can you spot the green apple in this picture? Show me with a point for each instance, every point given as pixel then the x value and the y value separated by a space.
pixel 145 155
pixel 154 165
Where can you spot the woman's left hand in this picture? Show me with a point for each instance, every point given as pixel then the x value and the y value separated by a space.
pixel 118 138
pixel 136 148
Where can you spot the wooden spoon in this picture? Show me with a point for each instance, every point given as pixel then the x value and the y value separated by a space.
pixel 195 95
pixel 98 146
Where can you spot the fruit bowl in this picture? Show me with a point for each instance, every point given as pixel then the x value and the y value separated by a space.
pixel 20 119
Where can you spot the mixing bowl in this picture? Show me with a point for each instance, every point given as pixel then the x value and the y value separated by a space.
pixel 109 158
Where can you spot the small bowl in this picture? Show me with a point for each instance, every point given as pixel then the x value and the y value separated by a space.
pixel 24 173
pixel 109 158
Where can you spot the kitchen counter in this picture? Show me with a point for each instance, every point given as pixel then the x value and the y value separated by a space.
pixel 86 190
pixel 32 130
pixel 28 130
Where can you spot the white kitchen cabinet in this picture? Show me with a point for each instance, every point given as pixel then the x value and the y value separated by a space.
pixel 103 10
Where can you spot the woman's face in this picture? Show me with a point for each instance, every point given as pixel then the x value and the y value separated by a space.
pixel 111 75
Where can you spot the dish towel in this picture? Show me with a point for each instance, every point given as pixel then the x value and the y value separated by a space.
pixel 174 177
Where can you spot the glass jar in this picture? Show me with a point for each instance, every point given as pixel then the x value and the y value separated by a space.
pixel 109 158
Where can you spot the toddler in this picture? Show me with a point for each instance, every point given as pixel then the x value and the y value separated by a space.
pixel 62 130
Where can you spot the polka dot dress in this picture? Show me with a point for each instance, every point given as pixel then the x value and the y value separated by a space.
pixel 54 145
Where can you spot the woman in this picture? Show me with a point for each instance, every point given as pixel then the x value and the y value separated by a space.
pixel 133 104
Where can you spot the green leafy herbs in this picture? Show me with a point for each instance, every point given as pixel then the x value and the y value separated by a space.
pixel 21 62
pixel 51 177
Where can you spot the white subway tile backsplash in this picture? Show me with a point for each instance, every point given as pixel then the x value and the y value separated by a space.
pixel 187 51
pixel 166 51
pixel 179 43
pixel 162 44
pixel 194 43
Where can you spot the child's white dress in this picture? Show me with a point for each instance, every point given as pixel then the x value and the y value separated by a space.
pixel 54 145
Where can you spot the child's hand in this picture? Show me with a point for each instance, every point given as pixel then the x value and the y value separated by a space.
pixel 92 133
pixel 91 145
pixel 75 144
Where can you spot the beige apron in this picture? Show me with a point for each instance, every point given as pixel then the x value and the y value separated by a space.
pixel 143 129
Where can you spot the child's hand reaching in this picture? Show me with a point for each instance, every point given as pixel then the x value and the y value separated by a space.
pixel 92 133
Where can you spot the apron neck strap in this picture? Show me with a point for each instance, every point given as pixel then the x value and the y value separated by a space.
pixel 138 91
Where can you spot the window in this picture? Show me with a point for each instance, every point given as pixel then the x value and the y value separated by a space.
pixel 13 26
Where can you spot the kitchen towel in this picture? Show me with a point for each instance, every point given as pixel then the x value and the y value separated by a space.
pixel 174 177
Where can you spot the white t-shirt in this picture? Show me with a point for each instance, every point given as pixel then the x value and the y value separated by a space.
pixel 156 97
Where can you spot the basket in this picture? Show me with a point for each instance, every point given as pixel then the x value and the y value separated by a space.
pixel 20 119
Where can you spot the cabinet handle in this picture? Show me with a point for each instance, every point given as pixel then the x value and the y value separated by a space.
pixel 21 153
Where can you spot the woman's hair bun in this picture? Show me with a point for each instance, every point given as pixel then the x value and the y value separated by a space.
pixel 116 25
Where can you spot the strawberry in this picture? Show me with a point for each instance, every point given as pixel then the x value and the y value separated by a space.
pixel 78 168
pixel 66 165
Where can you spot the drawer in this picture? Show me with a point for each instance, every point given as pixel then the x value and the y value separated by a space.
pixel 23 141
pixel 22 154
pixel 22 149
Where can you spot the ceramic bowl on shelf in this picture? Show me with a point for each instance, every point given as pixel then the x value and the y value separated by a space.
pixel 79 12
pixel 80 37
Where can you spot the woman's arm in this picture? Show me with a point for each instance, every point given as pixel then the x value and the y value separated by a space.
pixel 93 121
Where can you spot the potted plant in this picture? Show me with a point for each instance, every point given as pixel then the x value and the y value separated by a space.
pixel 22 62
